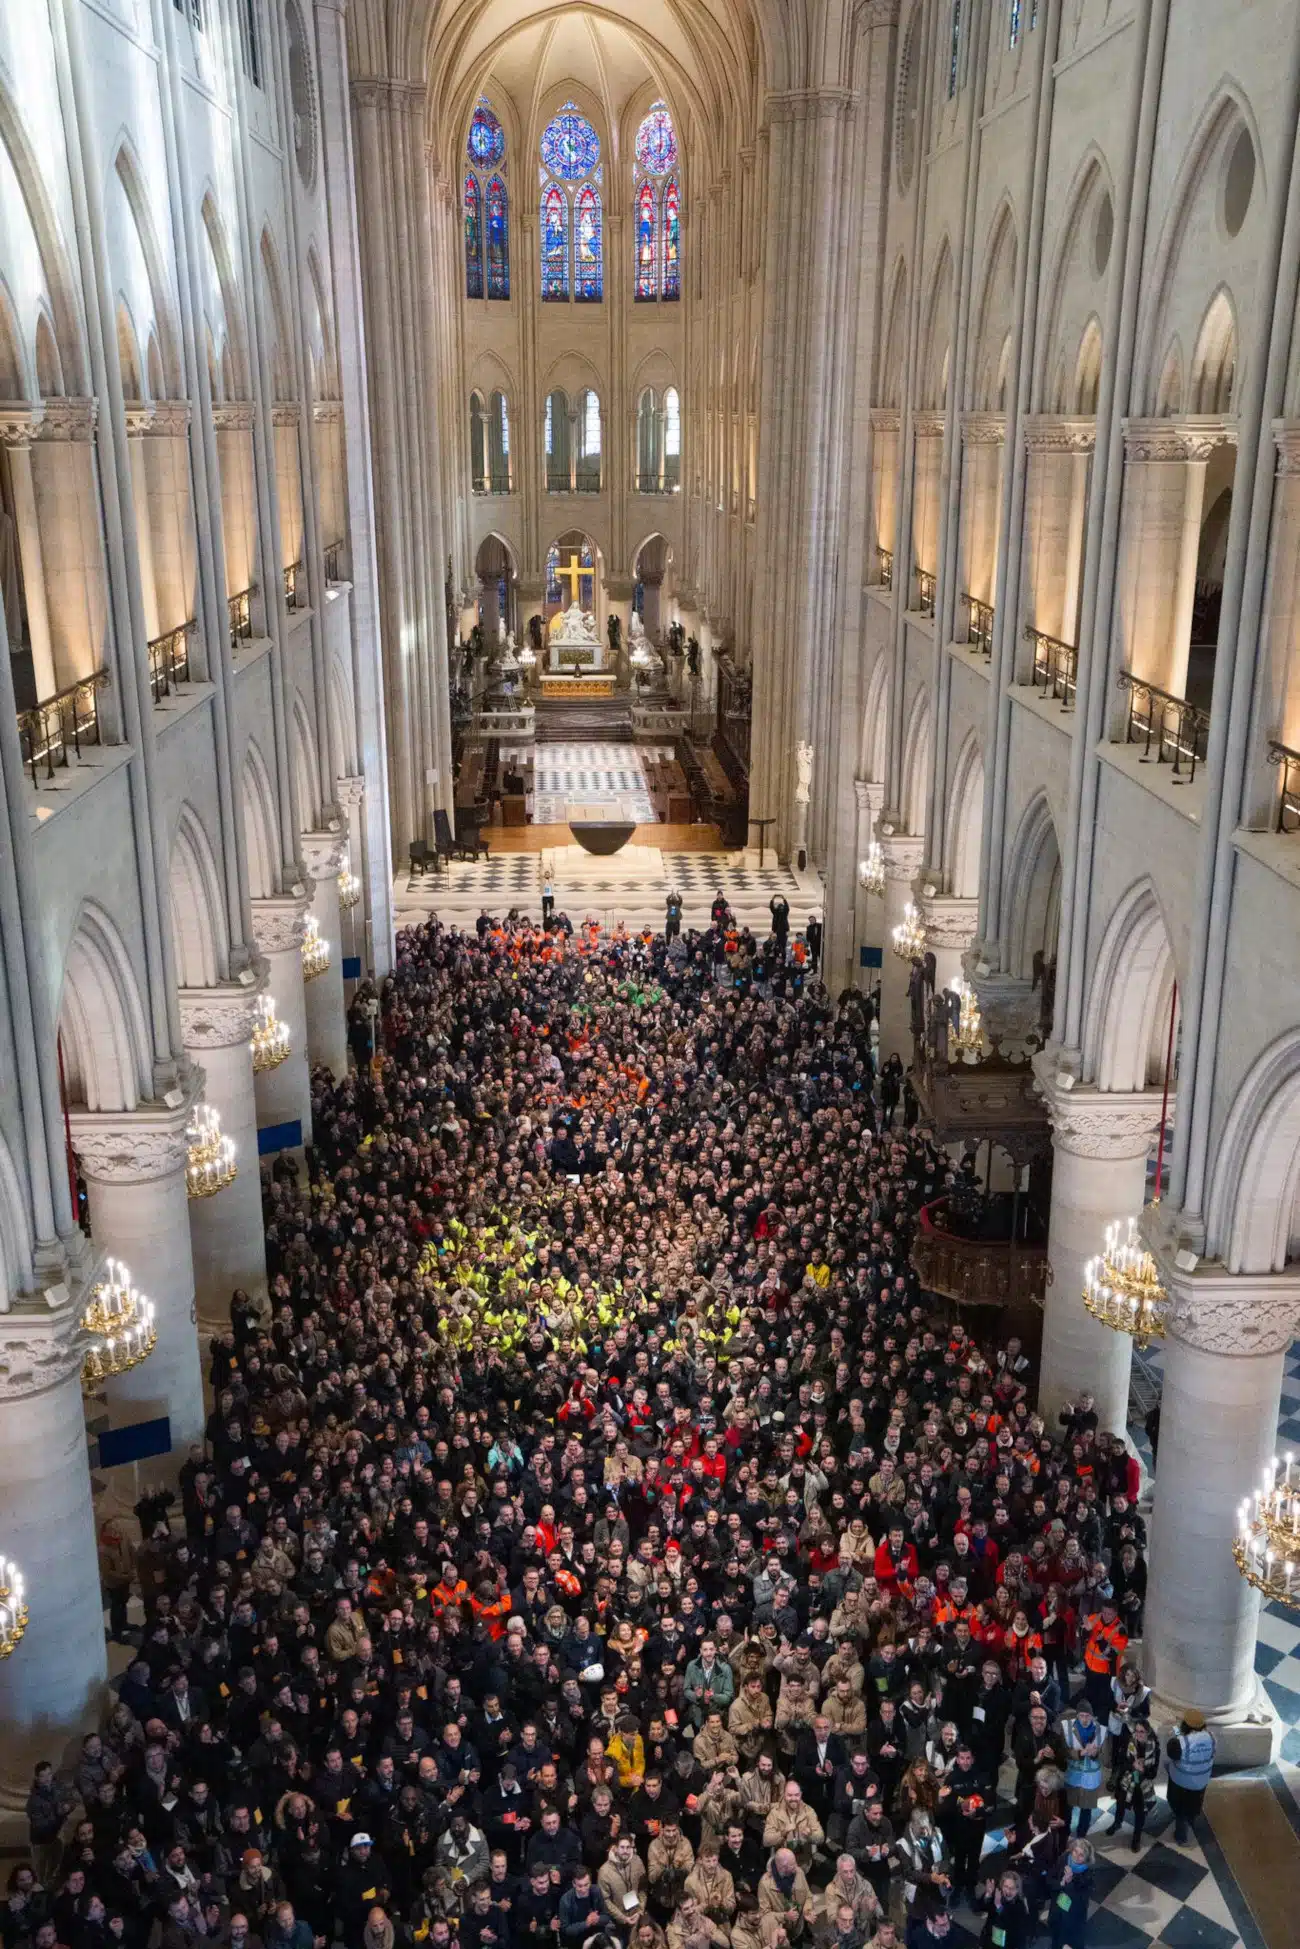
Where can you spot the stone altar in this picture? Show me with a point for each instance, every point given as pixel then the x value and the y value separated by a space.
pixel 574 641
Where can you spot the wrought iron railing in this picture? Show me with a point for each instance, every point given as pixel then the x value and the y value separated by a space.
pixel 885 568
pixel 169 660
pixel 979 626
pixel 586 480
pixel 651 484
pixel 240 607
pixel 52 733
pixel 1056 667
pixel 926 584
pixel 1288 804
pixel 295 596
pixel 333 553
pixel 1173 731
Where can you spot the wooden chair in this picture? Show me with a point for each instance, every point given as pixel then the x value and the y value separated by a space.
pixel 444 839
pixel 470 843
pixel 419 857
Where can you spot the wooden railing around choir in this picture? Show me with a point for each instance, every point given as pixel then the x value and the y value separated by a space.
pixel 332 555
pixel 295 595
pixel 926 584
pixel 1173 731
pixel 885 568
pixel 52 733
pixel 977 1271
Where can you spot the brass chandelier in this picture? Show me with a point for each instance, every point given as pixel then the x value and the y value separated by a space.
pixel 349 886
pixel 968 1036
pixel 270 1037
pixel 1267 1545
pixel 315 951
pixel 1122 1288
pixel 121 1326
pixel 210 1165
pixel 13 1606
pixel 909 935
pixel 871 870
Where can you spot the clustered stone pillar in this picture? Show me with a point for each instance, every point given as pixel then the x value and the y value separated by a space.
pixel 950 927
pixel 50 1688
pixel 868 910
pixel 226 1232
pixel 327 1029
pixel 1218 1431
pixel 1100 1143
pixel 1164 492
pixel 902 854
pixel 284 1094
pixel 134 1167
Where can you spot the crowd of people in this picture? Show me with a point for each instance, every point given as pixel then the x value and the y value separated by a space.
pixel 600 1540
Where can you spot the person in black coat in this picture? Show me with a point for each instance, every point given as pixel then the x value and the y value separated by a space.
pixel 1008 1923
pixel 819 1755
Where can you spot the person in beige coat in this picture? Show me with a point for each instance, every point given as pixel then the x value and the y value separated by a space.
pixel 846 1886
pixel 712 1885
pixel 720 1805
pixel 795 1711
pixel 785 1900
pixel 846 1714
pixel 714 1745
pixel 750 1720
pixel 622 1881
pixel 669 1858
pixel 792 1824
pixel 691 1928
pixel 760 1789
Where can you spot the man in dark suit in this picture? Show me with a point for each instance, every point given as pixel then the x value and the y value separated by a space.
pixel 818 1755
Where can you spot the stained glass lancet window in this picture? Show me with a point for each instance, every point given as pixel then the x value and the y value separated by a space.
pixel 647 225
pixel 587 267
pixel 497 213
pixel 570 146
pixel 473 239
pixel 487 140
pixel 486 207
pixel 656 142
pixel 555 244
pixel 1015 23
pixel 672 249
pixel 954 49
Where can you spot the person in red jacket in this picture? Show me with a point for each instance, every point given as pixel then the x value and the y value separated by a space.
pixel 895 1565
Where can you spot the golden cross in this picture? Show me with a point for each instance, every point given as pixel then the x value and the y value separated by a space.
pixel 573 575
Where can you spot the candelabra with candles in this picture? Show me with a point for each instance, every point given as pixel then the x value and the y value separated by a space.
pixel 13 1606
pixel 349 886
pixel 968 1037
pixel 315 951
pixel 121 1325
pixel 1267 1545
pixel 270 1037
pixel 1122 1288
pixel 871 870
pixel 909 935
pixel 210 1165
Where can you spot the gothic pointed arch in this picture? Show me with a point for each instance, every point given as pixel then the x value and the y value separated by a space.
pixel 103 1033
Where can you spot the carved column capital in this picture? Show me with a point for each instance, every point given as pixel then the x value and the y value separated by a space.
pixel 69 419
pixel 983 429
pixel 1286 438
pixel 42 1343
pixel 136 1146
pixel 1229 1314
pixel 222 1017
pixel 903 854
pixel 950 920
pixel 280 922
pixel 1190 438
pixel 870 797
pixel 1059 433
pixel 323 853
pixel 1096 1123
pixel 349 790
pixel 233 416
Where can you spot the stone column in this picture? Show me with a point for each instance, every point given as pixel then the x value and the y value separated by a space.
pixel 284 1094
pixel 1100 1143
pixel 349 796
pixel 1164 487
pixel 489 605
pixel 327 1029
pixel 1058 453
pixel 1218 1431
pixel 52 1685
pixel 133 1162
pixel 17 430
pixel 618 602
pixel 868 908
pixel 903 853
pixel 226 1235
pixel 951 924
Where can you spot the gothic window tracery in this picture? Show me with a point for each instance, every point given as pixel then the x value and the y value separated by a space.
pixel 486 206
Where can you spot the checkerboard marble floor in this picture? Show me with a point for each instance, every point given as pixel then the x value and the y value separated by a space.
pixel 1177 1897
pixel 608 777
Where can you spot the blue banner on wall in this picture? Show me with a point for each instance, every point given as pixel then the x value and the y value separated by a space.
pixel 135 1444
pixel 351 967
pixel 279 1136
pixel 871 957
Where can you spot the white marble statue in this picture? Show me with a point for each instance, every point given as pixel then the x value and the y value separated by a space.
pixel 575 629
pixel 803 758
